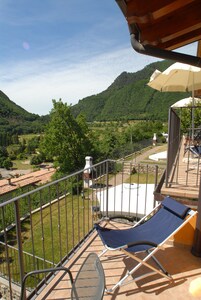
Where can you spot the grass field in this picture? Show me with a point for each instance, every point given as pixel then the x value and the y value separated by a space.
pixel 22 165
pixel 141 178
pixel 51 233
pixel 58 227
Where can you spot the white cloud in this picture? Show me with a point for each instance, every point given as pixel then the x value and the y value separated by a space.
pixel 34 84
pixel 53 50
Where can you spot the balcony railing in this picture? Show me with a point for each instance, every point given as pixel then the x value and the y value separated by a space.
pixel 184 151
pixel 44 227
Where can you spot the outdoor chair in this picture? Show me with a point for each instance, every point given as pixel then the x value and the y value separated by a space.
pixel 147 236
pixel 88 284
pixel 196 150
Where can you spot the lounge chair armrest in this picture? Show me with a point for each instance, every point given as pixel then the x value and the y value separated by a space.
pixel 142 243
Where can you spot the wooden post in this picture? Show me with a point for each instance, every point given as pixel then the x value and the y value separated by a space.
pixel 196 249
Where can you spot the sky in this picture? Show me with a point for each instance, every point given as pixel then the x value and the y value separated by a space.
pixel 63 49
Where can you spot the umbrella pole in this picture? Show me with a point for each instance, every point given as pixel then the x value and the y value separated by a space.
pixel 193 111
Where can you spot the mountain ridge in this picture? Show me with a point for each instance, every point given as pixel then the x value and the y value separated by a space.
pixel 127 98
pixel 16 120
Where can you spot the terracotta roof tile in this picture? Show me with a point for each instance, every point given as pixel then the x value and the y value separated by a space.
pixel 42 176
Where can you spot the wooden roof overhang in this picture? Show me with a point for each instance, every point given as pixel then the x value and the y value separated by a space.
pixel 158 27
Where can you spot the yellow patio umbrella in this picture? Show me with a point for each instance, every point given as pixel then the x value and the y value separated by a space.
pixel 178 77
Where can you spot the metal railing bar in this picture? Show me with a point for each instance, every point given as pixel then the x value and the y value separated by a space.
pixel 59 220
pixel 138 180
pixel 32 232
pixel 188 163
pixel 70 207
pixel 19 240
pixel 7 254
pixel 198 172
pixel 78 209
pixel 50 184
pixel 115 183
pixel 66 216
pixel 129 203
pixel 42 229
pixel 73 218
pixel 145 206
pixel 51 225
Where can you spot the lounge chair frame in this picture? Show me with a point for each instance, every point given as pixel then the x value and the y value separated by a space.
pixel 150 252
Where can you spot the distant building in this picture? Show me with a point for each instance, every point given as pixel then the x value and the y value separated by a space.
pixel 10 185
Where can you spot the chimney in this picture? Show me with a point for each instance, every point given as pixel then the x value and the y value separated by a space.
pixel 87 174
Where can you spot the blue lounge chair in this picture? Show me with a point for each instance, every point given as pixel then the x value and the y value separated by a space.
pixel 148 235
pixel 196 150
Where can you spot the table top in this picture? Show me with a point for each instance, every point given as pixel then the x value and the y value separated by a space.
pixel 90 280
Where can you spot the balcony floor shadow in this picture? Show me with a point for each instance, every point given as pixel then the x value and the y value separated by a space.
pixel 178 260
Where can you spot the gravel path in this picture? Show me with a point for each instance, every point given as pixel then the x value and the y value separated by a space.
pixel 146 154
pixel 141 157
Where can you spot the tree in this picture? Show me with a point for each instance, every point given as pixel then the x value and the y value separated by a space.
pixel 36 159
pixel 7 164
pixel 186 117
pixel 66 139
pixel 32 144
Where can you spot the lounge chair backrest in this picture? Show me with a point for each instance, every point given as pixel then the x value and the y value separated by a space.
pixel 175 207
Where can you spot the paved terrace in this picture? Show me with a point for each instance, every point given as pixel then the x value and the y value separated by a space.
pixel 180 263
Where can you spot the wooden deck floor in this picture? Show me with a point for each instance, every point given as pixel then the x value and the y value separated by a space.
pixel 180 263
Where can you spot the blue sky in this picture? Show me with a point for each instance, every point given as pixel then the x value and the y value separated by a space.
pixel 68 49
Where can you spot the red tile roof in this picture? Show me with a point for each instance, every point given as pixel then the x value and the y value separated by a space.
pixel 11 184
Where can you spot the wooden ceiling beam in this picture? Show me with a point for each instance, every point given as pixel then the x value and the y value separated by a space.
pixel 181 40
pixel 199 48
pixel 172 25
pixel 144 7
pixel 153 12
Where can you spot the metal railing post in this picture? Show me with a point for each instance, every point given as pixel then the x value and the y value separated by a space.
pixel 107 186
pixel 19 240
pixel 156 176
pixel 196 249
pixel 168 148
pixel 7 254
pixel 173 143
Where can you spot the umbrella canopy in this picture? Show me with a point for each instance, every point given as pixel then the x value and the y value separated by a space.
pixel 186 102
pixel 177 78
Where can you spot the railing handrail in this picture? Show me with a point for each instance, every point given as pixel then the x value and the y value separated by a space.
pixel 52 183
pixel 65 217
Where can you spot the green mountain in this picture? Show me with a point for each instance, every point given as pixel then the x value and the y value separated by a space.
pixel 16 120
pixel 129 97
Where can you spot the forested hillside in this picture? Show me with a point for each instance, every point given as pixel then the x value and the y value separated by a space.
pixel 129 97
pixel 16 120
